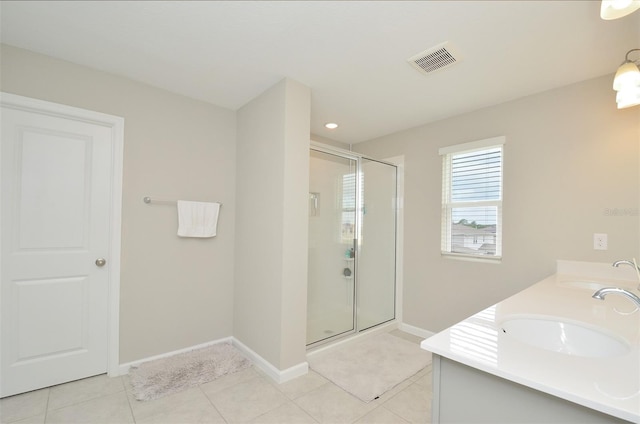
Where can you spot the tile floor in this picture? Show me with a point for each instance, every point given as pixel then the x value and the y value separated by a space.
pixel 244 397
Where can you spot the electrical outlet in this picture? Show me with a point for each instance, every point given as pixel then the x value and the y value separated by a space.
pixel 600 242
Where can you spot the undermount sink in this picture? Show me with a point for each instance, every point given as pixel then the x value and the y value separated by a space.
pixel 588 285
pixel 564 337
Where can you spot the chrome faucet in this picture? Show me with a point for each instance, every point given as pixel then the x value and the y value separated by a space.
pixel 631 264
pixel 600 294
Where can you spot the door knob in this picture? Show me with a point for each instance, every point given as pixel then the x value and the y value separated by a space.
pixel 101 261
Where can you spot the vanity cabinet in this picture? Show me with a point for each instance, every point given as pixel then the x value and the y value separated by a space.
pixel 462 394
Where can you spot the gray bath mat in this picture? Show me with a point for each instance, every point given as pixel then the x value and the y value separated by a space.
pixel 161 377
pixel 368 368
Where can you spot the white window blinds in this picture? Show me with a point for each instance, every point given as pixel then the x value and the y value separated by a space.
pixel 472 198
pixel 349 209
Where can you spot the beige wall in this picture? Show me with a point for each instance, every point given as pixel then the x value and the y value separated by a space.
pixel 293 316
pixel 271 224
pixel 330 142
pixel 570 156
pixel 175 292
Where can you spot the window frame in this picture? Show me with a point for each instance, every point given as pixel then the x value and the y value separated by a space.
pixel 448 205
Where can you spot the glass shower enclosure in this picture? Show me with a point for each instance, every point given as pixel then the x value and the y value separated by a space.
pixel 352 244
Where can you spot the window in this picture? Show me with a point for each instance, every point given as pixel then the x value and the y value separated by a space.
pixel 472 199
pixel 348 222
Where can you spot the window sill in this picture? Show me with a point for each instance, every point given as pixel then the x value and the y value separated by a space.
pixel 472 258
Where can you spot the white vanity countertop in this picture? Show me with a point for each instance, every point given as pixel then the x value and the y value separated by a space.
pixel 610 385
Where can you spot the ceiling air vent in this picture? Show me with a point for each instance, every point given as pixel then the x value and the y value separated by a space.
pixel 438 57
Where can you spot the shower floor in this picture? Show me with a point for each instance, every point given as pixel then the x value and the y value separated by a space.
pixel 339 322
pixel 332 324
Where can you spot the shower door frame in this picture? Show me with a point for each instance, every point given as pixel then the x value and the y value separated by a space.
pixel 357 158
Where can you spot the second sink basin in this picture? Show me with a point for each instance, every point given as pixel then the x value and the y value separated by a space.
pixel 587 285
pixel 564 337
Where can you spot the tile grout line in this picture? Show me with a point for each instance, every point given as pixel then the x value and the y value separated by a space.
pixel 212 404
pixel 46 408
pixel 126 394
pixel 394 414
pixel 296 398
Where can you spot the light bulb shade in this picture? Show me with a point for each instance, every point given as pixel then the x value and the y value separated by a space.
pixel 614 9
pixel 628 97
pixel 628 76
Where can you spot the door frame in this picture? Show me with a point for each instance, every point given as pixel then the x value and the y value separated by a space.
pixel 116 124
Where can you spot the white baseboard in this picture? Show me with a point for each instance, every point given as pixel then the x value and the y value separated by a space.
pixel 416 331
pixel 275 374
pixel 123 369
pixel 279 376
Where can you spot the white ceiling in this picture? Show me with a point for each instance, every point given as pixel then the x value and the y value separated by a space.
pixel 352 54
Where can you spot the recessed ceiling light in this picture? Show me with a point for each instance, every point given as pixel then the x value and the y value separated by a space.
pixel 331 125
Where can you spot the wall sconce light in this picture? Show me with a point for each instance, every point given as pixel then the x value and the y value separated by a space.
pixel 627 82
pixel 614 9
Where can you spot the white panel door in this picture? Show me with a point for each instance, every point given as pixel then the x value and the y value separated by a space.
pixel 56 191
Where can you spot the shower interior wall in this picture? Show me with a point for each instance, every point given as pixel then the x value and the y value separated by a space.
pixel 330 294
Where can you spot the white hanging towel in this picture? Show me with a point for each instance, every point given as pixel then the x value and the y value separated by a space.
pixel 197 219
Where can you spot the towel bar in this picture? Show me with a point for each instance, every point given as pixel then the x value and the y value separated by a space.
pixel 148 199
